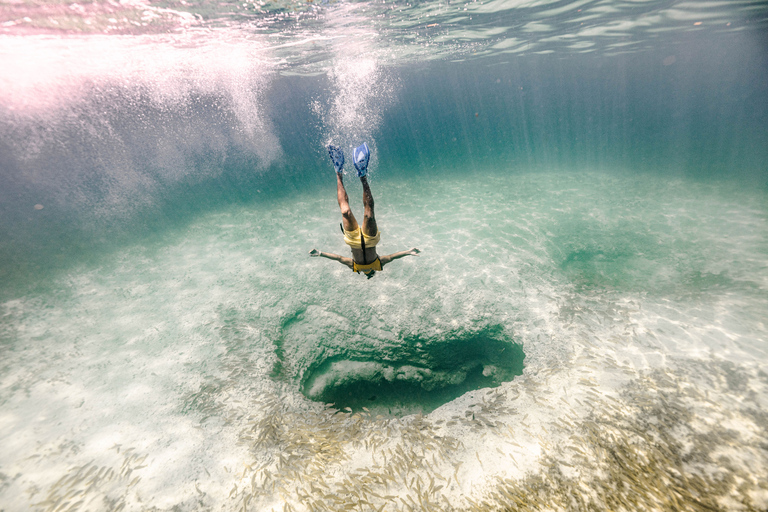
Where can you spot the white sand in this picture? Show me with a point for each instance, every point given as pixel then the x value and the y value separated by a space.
pixel 640 305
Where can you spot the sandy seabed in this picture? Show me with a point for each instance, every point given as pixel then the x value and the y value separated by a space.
pixel 169 375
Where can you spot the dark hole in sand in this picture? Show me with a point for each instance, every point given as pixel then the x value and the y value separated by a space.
pixel 421 380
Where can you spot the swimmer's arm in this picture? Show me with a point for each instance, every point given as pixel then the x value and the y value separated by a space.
pixel 331 256
pixel 410 252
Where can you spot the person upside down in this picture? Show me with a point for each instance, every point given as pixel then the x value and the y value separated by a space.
pixel 362 241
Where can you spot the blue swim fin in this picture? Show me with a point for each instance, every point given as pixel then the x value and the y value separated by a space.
pixel 361 156
pixel 337 157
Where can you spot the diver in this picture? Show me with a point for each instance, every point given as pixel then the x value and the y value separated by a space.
pixel 363 240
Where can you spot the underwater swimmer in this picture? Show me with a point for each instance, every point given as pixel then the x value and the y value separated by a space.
pixel 363 240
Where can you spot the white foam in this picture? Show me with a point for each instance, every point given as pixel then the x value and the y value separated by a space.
pixel 92 90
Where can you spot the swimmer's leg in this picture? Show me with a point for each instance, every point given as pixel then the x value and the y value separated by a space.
pixel 347 217
pixel 369 219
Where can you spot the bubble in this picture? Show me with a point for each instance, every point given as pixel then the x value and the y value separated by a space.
pixel 152 116
pixel 38 207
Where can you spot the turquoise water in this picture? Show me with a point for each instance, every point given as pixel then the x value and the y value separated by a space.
pixel 584 327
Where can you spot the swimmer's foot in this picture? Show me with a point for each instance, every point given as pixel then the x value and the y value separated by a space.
pixel 337 157
pixel 360 157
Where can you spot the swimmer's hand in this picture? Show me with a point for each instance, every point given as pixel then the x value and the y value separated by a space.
pixel 413 251
pixel 314 253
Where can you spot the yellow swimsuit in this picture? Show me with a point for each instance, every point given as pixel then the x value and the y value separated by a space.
pixel 352 239
pixel 356 239
pixel 358 267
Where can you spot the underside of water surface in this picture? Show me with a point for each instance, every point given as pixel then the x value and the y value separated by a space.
pixel 582 329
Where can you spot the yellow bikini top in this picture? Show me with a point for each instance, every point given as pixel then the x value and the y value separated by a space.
pixel 359 267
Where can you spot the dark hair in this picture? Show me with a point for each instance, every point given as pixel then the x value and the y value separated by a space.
pixel 370 274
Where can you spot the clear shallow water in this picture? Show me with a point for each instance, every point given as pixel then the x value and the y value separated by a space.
pixel 639 302
pixel 585 327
